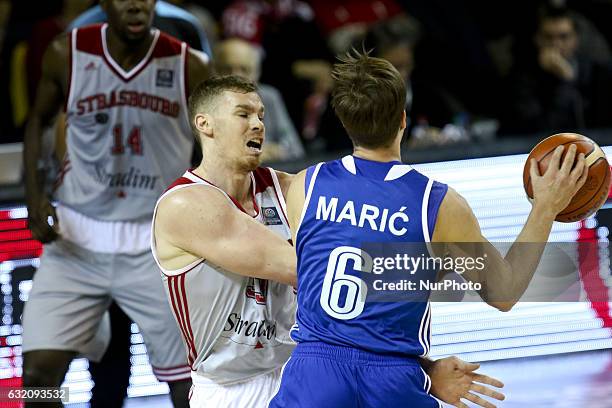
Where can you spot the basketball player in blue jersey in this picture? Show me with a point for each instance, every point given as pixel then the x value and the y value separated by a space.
pixel 221 238
pixel 355 353
pixel 124 87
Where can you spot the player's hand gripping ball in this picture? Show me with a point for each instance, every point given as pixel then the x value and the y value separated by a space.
pixel 593 193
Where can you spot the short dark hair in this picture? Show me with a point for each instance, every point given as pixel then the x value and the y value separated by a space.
pixel 552 12
pixel 388 34
pixel 369 97
pixel 205 94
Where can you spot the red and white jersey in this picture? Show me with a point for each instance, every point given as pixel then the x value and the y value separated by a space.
pixel 234 327
pixel 128 133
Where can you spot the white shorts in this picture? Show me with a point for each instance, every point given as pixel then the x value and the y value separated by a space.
pixel 253 393
pixel 74 287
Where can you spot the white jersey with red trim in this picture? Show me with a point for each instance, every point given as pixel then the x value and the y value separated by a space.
pixel 234 327
pixel 128 133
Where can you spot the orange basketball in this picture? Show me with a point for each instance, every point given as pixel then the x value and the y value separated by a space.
pixel 594 193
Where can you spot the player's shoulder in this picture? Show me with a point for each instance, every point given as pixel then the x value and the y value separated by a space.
pixel 56 55
pixel 264 178
pixel 296 180
pixel 185 197
pixel 284 177
pixel 87 39
pixel 453 197
pixel 453 206
pixel 269 177
pixel 167 46
pixel 59 45
pixel 284 180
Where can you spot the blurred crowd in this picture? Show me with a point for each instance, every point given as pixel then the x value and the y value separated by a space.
pixel 476 70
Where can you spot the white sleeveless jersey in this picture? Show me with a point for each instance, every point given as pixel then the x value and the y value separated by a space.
pixel 234 327
pixel 128 133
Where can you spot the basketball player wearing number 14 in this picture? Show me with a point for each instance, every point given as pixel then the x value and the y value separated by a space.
pixel 365 354
pixel 124 87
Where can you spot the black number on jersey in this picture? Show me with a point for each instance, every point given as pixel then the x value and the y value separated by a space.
pixel 134 140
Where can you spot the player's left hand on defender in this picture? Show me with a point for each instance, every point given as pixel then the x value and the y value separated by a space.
pixel 453 379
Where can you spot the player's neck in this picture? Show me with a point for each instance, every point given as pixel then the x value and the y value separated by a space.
pixel 127 55
pixel 388 154
pixel 234 182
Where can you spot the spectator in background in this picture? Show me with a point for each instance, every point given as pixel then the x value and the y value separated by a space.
pixel 559 88
pixel 342 21
pixel 430 109
pixel 204 16
pixel 238 57
pixel 272 24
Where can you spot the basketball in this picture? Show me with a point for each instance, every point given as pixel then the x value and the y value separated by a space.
pixel 594 193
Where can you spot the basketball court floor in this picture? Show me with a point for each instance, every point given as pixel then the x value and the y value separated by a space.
pixel 578 380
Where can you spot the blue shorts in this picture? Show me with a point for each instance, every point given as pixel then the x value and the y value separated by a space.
pixel 325 376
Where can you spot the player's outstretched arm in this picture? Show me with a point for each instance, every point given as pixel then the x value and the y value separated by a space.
pixel 453 379
pixel 49 96
pixel 504 280
pixel 202 222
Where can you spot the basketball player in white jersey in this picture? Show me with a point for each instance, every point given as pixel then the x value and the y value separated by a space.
pixel 221 239
pixel 124 87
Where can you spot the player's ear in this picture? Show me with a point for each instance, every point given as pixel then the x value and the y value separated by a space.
pixel 403 123
pixel 204 124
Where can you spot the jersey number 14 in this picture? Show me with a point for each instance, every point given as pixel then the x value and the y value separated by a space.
pixel 133 140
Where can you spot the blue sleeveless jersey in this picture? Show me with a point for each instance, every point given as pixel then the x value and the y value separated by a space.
pixel 350 203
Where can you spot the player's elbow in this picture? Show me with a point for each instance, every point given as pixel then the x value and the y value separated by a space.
pixel 501 292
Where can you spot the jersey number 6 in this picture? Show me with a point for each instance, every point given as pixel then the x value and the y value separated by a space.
pixel 336 279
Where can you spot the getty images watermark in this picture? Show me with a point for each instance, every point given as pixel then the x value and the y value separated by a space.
pixel 413 265
pixel 457 272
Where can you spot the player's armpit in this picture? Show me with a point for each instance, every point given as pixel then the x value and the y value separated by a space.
pixel 202 221
pixel 295 201
pixel 198 68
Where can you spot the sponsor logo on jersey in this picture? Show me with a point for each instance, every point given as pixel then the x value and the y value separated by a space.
pixel 257 329
pixel 90 66
pixel 165 78
pixel 130 179
pixel 271 216
pixel 257 289
pixel 101 118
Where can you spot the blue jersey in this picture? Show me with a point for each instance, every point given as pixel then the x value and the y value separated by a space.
pixel 349 203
